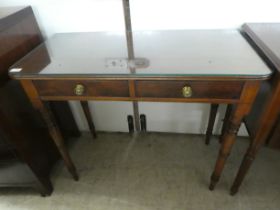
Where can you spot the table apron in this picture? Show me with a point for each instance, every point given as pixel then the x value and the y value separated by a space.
pixel 182 100
pixel 140 90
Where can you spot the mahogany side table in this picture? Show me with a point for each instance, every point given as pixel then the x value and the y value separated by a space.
pixel 202 66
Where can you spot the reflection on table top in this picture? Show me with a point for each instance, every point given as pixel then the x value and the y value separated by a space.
pixel 170 53
pixel 267 37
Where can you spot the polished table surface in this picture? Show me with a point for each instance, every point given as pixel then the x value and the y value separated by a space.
pixel 208 66
pixel 266 37
pixel 170 53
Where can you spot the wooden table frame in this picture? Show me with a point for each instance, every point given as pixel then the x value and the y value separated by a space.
pixel 268 111
pixel 271 110
pixel 240 91
pixel 266 123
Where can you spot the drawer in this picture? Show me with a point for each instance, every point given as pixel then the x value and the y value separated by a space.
pixel 197 89
pixel 106 88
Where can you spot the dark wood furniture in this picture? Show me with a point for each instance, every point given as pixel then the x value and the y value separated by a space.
pixel 207 66
pixel 27 153
pixel 262 122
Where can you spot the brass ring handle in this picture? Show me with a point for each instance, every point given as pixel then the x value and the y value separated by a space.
pixel 79 89
pixel 187 91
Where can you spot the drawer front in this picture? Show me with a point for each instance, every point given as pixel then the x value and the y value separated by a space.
pixel 106 88
pixel 196 89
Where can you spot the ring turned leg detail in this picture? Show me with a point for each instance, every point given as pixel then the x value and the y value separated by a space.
pixel 247 97
pixel 226 120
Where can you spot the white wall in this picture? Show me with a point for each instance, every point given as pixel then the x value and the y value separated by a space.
pixel 102 15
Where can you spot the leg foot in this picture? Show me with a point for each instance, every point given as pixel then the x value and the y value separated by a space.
pixel 214 180
pixel 233 191
pixel 224 153
pixel 212 186
pixel 244 168
pixel 75 176
pixel 44 187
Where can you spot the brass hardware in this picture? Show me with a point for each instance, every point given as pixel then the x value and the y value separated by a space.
pixel 79 89
pixel 187 91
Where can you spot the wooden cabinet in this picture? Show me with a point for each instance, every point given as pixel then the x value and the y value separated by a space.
pixel 27 152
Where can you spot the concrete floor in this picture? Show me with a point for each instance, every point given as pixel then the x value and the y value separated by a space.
pixel 153 171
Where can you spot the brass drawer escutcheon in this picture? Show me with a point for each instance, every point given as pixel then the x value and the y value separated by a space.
pixel 187 91
pixel 79 89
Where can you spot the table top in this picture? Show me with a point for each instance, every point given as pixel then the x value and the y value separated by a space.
pixel 12 15
pixel 7 11
pixel 266 36
pixel 217 53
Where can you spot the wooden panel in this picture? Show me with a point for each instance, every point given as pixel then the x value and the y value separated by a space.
pixel 20 125
pixel 264 38
pixel 252 119
pixel 200 89
pixel 19 37
pixel 92 88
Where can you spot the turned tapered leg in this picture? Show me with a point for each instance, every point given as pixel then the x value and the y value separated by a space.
pixel 54 131
pixel 248 95
pixel 244 168
pixel 227 143
pixel 226 121
pixel 57 137
pixel 211 122
pixel 268 118
pixel 86 109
